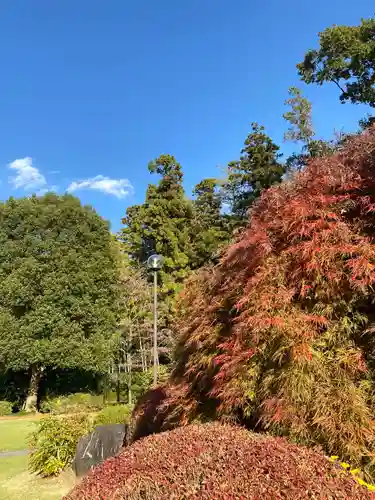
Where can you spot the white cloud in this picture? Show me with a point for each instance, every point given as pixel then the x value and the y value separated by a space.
pixel 117 187
pixel 27 177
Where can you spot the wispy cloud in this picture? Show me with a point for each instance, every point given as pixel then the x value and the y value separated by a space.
pixel 116 187
pixel 26 175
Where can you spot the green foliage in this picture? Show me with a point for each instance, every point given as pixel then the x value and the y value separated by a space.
pixel 299 117
pixel 133 347
pixel 257 169
pixel 366 122
pixel 5 408
pixel 135 299
pixel 162 225
pixel 54 443
pixel 301 130
pixel 114 414
pixel 346 57
pixel 74 403
pixel 210 229
pixel 57 285
pixel 55 439
pixel 13 387
pixel 142 381
pixel 62 382
pixel 313 149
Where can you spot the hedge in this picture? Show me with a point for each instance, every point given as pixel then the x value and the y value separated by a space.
pixel 215 461
pixel 72 403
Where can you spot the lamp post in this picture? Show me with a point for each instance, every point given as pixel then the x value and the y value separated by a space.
pixel 154 264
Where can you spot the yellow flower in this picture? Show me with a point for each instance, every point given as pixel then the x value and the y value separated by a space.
pixel 355 471
pixel 345 465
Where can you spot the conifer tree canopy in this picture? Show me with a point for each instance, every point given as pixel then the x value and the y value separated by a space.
pixel 210 227
pixel 162 225
pixel 258 168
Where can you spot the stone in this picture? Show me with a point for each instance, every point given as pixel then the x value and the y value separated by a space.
pixel 104 442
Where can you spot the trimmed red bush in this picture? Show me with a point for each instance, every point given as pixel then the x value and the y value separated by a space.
pixel 214 461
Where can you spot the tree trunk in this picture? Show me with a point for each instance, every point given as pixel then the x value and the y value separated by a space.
pixel 31 403
pixel 142 354
pixel 129 363
pixel 118 395
pixel 106 383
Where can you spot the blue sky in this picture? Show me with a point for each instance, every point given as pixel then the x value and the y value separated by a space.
pixel 91 90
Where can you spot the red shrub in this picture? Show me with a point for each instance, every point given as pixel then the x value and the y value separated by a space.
pixel 280 333
pixel 216 461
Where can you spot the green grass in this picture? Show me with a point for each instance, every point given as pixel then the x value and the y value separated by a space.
pixel 14 433
pixel 11 466
pixel 16 482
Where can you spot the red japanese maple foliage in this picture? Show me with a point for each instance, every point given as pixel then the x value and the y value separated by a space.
pixel 214 461
pixel 280 334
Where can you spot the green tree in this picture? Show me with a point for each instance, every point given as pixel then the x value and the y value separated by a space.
pixel 366 122
pixel 258 168
pixel 301 130
pixel 135 326
pixel 57 287
pixel 346 57
pixel 299 117
pixel 210 227
pixel 162 224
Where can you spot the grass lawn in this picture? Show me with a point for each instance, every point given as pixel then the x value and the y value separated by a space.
pixel 14 432
pixel 16 483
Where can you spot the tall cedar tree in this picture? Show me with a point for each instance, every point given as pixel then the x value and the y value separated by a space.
pixel 57 287
pixel 346 57
pixel 281 334
pixel 162 224
pixel 257 169
pixel 210 227
pixel 301 131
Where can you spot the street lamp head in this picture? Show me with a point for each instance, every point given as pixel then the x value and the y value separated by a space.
pixel 155 262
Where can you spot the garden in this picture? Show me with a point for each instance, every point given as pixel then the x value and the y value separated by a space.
pixel 37 450
pixel 16 480
pixel 271 391
pixel 263 345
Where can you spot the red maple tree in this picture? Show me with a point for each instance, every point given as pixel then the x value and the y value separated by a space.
pixel 279 335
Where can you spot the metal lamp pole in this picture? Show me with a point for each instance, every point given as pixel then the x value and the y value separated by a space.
pixel 154 263
pixel 155 343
